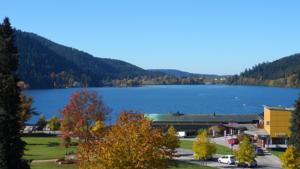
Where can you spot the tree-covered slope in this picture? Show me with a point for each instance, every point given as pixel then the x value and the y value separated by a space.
pixel 282 72
pixel 46 64
pixel 173 72
pixel 180 73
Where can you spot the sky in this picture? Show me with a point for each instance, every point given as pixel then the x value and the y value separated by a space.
pixel 200 36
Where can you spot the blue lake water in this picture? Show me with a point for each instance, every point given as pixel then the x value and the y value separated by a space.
pixel 172 98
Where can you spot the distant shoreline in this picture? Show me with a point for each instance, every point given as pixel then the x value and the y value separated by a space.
pixel 246 85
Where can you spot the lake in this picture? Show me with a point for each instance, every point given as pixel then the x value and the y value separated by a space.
pixel 196 99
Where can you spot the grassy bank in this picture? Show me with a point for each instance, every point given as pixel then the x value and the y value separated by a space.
pixel 188 144
pixel 277 151
pixel 179 165
pixel 51 165
pixel 43 148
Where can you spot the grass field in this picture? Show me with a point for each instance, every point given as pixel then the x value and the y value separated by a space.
pixel 185 165
pixel 43 148
pixel 52 165
pixel 277 151
pixel 188 144
pixel 179 165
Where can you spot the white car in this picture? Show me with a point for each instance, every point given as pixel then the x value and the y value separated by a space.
pixel 181 134
pixel 228 159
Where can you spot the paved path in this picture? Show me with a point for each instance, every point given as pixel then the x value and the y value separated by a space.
pixel 267 161
pixel 43 161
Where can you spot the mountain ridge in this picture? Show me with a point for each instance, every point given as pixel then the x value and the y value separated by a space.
pixel 283 72
pixel 46 64
pixel 181 73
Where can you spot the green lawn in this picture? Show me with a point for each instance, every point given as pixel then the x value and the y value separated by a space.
pixel 185 165
pixel 43 148
pixel 52 165
pixel 179 165
pixel 188 144
pixel 277 151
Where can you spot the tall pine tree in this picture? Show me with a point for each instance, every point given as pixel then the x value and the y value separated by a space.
pixel 11 145
pixel 295 126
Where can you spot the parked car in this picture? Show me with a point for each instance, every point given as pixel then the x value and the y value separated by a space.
pixel 228 159
pixel 253 164
pixel 181 134
pixel 259 151
pixel 233 141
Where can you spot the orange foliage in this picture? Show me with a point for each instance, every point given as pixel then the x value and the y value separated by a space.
pixel 84 109
pixel 130 144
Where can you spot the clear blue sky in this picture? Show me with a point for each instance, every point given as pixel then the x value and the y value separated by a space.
pixel 221 37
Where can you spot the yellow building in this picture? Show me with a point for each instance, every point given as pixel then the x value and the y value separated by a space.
pixel 277 122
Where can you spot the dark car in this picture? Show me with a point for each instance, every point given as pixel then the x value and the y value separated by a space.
pixel 259 152
pixel 253 164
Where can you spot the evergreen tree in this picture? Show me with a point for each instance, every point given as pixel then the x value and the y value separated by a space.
pixel 295 126
pixel 41 123
pixel 11 145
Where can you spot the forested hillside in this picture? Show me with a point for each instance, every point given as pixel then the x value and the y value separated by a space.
pixel 173 72
pixel 283 72
pixel 180 73
pixel 45 64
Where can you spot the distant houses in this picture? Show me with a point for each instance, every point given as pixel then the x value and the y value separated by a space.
pixel 191 123
pixel 269 130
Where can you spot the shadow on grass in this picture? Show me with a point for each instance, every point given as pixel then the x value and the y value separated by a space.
pixel 278 149
pixel 36 144
pixel 49 144
pixel 38 135
pixel 30 155
pixel 53 144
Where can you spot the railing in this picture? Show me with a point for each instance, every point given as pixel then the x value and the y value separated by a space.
pixel 276 145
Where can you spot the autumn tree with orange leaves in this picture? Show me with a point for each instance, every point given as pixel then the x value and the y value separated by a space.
pixel 84 110
pixel 130 144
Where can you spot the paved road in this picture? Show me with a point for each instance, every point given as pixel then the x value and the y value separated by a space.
pixel 267 161
pixel 187 156
pixel 264 162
